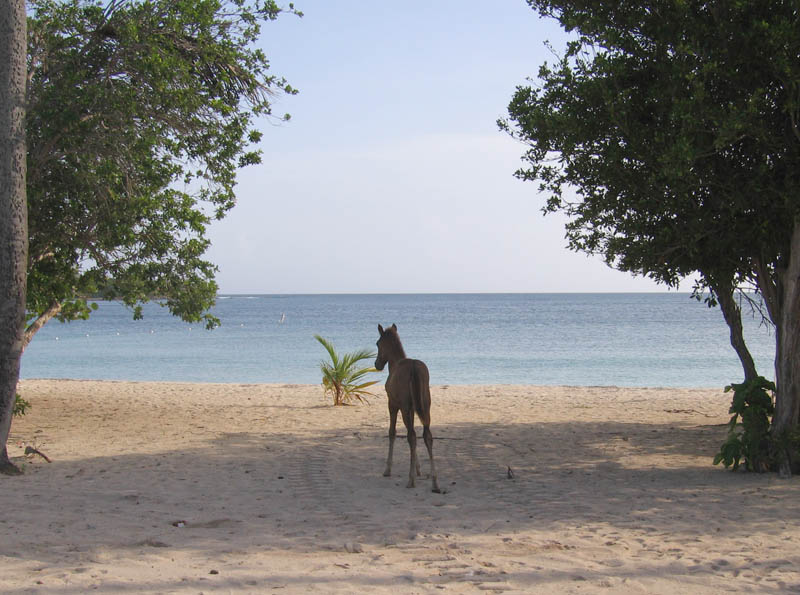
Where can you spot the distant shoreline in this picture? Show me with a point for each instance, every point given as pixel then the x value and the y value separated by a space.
pixel 451 293
pixel 444 386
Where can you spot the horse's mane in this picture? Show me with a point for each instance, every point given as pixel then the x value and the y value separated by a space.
pixel 394 344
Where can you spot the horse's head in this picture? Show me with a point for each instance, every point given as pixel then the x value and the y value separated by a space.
pixel 386 345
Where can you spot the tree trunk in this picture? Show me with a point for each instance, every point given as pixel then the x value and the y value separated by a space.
pixel 13 210
pixel 784 308
pixel 733 317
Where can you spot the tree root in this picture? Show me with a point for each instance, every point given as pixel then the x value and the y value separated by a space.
pixel 9 468
pixel 29 450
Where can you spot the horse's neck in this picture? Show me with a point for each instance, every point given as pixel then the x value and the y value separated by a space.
pixel 397 354
pixel 392 366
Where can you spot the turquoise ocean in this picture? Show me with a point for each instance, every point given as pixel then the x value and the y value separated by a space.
pixel 655 339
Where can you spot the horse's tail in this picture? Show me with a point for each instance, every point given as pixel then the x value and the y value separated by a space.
pixel 415 387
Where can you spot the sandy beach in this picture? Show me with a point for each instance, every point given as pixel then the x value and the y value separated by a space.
pixel 190 488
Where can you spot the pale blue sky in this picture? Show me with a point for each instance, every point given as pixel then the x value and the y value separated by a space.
pixel 392 175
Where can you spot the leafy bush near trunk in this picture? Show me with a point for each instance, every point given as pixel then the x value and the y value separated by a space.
pixel 750 439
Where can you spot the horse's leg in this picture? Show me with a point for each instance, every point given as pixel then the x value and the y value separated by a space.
pixel 408 420
pixel 416 456
pixel 392 434
pixel 428 438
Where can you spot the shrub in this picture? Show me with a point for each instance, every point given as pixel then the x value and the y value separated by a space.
pixel 340 376
pixel 20 406
pixel 751 439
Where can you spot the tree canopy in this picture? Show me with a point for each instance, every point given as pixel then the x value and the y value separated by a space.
pixel 668 133
pixel 139 115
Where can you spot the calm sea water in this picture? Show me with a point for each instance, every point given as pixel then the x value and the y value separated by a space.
pixel 663 339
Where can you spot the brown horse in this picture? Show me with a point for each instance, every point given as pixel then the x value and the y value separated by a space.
pixel 409 391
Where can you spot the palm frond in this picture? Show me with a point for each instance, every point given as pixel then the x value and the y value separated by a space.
pixel 329 348
pixel 360 373
pixel 340 376
pixel 360 388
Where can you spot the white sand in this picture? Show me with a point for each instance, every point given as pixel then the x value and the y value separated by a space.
pixel 274 490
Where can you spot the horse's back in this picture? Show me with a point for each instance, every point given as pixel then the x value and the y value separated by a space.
pixel 402 372
pixel 410 380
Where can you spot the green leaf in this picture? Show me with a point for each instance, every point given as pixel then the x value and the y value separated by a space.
pixel 340 376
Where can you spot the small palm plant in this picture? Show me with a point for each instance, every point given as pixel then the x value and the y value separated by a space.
pixel 20 406
pixel 340 376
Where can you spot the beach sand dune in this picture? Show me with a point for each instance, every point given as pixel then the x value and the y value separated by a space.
pixel 188 488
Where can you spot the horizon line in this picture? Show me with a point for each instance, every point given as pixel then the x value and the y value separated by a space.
pixel 224 293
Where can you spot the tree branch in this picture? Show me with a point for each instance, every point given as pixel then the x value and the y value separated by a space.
pixel 768 288
pixel 42 319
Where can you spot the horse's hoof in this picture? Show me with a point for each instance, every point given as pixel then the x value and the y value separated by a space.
pixel 387 473
pixel 437 491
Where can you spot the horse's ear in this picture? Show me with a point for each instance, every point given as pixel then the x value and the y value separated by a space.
pixel 380 330
pixel 394 327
